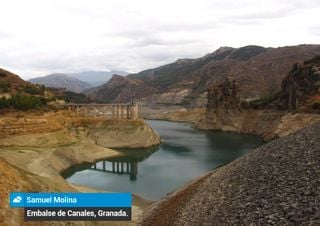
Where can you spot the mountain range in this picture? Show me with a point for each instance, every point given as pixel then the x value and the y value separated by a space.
pixel 96 78
pixel 258 70
pixel 76 82
pixel 58 80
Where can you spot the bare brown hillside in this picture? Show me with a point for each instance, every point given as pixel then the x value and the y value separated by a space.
pixel 258 70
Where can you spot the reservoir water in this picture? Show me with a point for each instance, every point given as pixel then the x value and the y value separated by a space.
pixel 185 154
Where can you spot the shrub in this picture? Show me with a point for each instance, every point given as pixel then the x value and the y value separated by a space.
pixel 4 103
pixel 72 97
pixel 34 90
pixel 263 102
pixel 23 102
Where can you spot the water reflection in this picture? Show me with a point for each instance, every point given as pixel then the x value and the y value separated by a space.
pixel 126 164
pixel 129 167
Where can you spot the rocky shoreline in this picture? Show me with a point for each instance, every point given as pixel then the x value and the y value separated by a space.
pixel 276 184
pixel 269 124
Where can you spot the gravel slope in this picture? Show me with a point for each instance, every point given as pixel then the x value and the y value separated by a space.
pixel 276 184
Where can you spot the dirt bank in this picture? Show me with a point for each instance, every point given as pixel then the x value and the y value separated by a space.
pixel 33 161
pixel 173 113
pixel 269 124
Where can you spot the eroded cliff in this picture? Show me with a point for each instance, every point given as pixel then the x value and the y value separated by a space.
pixel 294 107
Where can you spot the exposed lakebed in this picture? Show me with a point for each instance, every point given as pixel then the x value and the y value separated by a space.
pixel 184 154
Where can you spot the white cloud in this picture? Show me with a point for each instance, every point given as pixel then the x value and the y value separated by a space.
pixel 44 36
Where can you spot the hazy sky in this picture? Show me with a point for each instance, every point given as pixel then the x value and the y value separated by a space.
pixel 38 37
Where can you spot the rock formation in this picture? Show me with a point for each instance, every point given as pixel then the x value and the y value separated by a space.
pixel 225 95
pixel 223 104
pixel 301 88
pixel 300 92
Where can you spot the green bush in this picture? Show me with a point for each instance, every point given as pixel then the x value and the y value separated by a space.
pixel 23 102
pixel 263 102
pixel 72 97
pixel 4 103
pixel 34 90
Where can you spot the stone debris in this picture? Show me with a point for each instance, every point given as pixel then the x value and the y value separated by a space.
pixel 276 184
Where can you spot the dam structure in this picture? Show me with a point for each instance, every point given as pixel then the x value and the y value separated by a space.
pixel 108 111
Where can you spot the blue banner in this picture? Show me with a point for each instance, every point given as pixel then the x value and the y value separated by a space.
pixel 21 199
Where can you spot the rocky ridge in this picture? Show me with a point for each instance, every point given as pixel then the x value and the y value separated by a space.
pixel 258 70
pixel 119 89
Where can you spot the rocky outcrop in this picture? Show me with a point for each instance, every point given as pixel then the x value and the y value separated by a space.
pixel 276 184
pixel 301 88
pixel 224 95
pixel 223 105
pixel 298 99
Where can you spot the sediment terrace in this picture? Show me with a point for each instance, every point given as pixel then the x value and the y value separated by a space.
pixel 32 160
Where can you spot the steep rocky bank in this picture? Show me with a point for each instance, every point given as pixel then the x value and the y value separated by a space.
pixel 173 113
pixel 274 184
pixel 269 124
pixel 37 159
pixel 297 105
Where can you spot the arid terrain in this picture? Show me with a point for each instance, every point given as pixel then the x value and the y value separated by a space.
pixel 39 140
pixel 35 148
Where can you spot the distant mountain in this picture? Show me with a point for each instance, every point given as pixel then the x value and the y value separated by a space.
pixel 62 81
pixel 120 89
pixel 258 70
pixel 96 78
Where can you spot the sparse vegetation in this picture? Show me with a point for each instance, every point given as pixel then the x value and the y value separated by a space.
pixel 263 102
pixel 75 97
pixel 3 103
pixel 23 102
pixel 314 60
pixel 34 89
